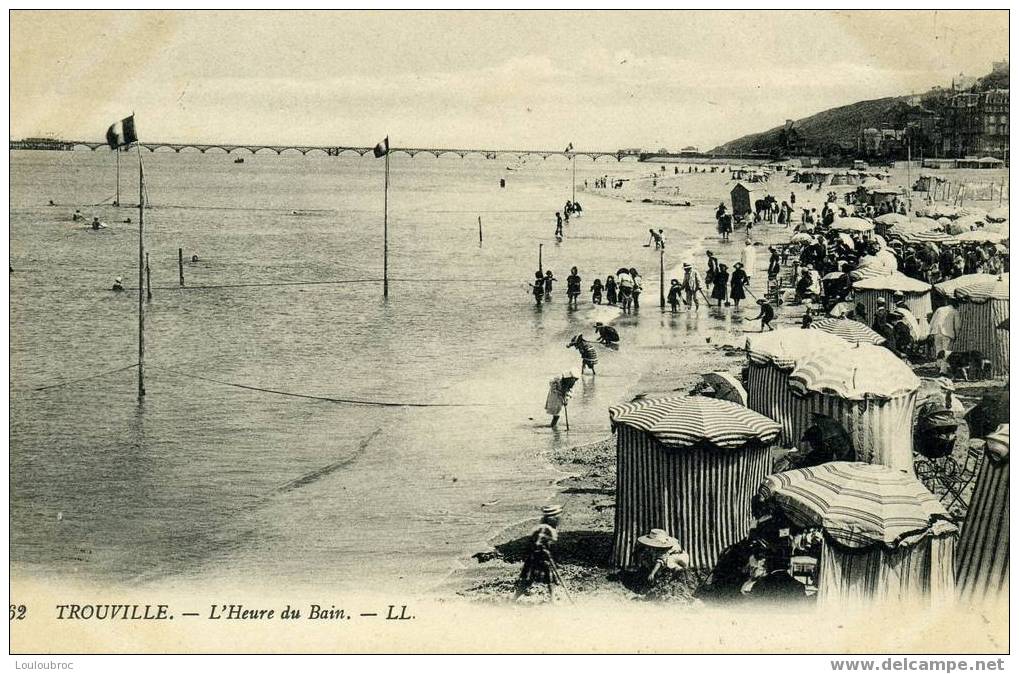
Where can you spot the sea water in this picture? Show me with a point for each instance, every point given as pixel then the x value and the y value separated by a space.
pixel 207 482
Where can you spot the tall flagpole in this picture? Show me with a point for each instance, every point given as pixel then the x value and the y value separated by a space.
pixel 385 231
pixel 141 276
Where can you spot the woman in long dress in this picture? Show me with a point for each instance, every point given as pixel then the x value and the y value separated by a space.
pixel 738 281
pixel 720 289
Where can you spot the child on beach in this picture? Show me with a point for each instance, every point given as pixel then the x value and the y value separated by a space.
pixel 610 290
pixel 572 287
pixel 766 316
pixel 596 289
pixel 538 287
pixel 588 354
pixel 674 290
pixel 548 284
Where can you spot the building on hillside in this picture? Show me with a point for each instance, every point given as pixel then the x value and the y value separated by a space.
pixel 977 124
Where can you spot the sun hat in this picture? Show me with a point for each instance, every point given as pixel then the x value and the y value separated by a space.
pixel 657 538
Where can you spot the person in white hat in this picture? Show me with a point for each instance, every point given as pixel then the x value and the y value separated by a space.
pixel 539 565
pixel 118 285
pixel 663 552
pixel 691 285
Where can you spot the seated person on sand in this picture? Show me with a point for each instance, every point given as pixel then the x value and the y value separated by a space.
pixel 661 555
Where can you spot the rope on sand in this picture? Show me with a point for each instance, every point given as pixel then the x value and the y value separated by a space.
pixel 345 401
pixel 83 379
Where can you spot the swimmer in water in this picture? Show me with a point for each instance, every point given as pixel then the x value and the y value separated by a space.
pixel 118 285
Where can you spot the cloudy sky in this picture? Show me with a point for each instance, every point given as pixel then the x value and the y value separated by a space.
pixel 601 80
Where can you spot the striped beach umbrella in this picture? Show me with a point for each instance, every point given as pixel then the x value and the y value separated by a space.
pixel 852 225
pixel 687 421
pixel 891 218
pixel 999 214
pixel 928 237
pixel 982 235
pixel 947 288
pixel 852 331
pixel 988 287
pixel 857 504
pixel 689 465
pixel 886 538
pixel 861 372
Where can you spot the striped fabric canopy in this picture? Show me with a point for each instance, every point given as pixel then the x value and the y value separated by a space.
pixel 927 237
pixel 852 331
pixel 858 504
pixel 983 289
pixel 981 236
pixel 687 421
pixel 891 218
pixel 948 287
pixel 897 281
pixel 852 225
pixel 784 348
pixel 860 372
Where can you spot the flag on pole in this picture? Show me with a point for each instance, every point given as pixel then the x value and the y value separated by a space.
pixel 122 133
pixel 569 148
pixel 382 149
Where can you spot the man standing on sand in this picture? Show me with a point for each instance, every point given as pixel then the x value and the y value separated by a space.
pixel 691 285
pixel 945 326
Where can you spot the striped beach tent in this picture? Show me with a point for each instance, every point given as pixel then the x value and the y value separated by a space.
pixel 852 331
pixel 917 295
pixel 947 288
pixel 873 265
pixel 886 538
pixel 982 235
pixel 870 392
pixel 981 560
pixel 771 356
pixel 689 465
pixel 983 305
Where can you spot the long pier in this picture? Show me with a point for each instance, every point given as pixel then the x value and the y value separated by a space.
pixel 327 150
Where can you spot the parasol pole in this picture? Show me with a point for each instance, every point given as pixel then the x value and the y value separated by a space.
pixel 566 414
pixel 117 203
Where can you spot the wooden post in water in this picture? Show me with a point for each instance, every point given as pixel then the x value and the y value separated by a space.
pixel 385 234
pixel 481 237
pixel 661 279
pixel 148 278
pixel 117 202
pixel 1001 191
pixel 141 277
pixel 539 259
pixel 180 265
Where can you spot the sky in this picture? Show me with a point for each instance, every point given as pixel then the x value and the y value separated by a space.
pixel 601 80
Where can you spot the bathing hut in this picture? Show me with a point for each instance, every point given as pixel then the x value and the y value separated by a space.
pixel 981 560
pixel 917 295
pixel 771 356
pixel 983 305
pixel 743 199
pixel 885 538
pixel 867 390
pixel 689 465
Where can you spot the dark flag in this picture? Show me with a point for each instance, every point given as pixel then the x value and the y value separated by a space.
pixel 382 149
pixel 122 133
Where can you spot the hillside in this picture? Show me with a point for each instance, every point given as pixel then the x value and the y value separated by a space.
pixel 837 126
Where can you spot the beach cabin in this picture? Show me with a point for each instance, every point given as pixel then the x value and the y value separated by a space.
pixel 981 560
pixel 743 199
pixel 917 296
pixel 771 356
pixel 983 307
pixel 869 392
pixel 928 182
pixel 885 537
pixel 689 465
pixel 981 163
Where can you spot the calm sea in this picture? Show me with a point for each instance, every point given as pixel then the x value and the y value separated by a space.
pixel 208 482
